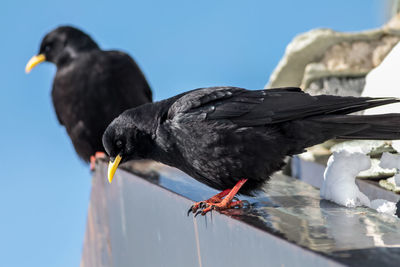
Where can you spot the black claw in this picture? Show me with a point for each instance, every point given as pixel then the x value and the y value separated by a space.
pixel 235 198
pixel 202 205
pixel 190 210
pixel 197 213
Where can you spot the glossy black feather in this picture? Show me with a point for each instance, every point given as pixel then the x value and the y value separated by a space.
pixel 91 86
pixel 220 135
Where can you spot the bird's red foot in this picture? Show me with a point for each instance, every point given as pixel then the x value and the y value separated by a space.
pixel 215 199
pixel 218 202
pixel 97 155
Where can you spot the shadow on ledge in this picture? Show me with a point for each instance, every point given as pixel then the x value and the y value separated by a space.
pixel 139 222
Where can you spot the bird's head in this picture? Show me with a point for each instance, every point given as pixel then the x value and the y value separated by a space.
pixel 60 45
pixel 123 140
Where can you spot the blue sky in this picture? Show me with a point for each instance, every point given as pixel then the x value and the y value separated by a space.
pixel 180 45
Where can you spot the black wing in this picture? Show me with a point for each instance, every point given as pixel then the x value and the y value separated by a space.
pixel 254 108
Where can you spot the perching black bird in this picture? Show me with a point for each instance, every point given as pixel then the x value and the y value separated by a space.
pixel 91 86
pixel 229 137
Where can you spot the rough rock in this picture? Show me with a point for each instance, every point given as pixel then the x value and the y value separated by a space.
pixel 344 86
pixel 323 53
pixel 323 61
pixel 376 172
pixel 389 184
pixel 370 147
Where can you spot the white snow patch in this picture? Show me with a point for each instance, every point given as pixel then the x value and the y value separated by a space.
pixel 383 81
pixel 384 206
pixel 307 156
pixel 396 145
pixel 396 180
pixel 339 179
pixel 391 161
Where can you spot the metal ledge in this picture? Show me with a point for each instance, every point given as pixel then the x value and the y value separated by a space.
pixel 139 222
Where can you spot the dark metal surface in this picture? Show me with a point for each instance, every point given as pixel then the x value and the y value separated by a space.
pixel 288 225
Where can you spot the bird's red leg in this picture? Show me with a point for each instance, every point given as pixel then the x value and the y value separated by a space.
pixel 218 203
pixel 97 155
pixel 226 203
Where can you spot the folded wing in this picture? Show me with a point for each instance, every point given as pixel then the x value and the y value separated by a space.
pixel 260 107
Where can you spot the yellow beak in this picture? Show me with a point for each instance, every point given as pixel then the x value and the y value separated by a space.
pixel 34 61
pixel 112 167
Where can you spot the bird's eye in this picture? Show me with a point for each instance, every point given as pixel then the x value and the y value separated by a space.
pixel 47 48
pixel 118 143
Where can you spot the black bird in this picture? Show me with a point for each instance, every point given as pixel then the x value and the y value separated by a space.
pixel 229 137
pixel 91 86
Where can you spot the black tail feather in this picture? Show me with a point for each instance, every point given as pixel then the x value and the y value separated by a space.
pixel 339 105
pixel 380 127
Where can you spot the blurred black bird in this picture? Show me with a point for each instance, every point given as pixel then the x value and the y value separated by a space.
pixel 231 138
pixel 91 86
